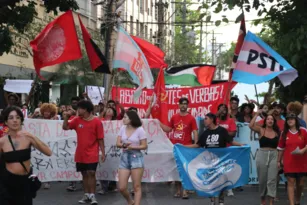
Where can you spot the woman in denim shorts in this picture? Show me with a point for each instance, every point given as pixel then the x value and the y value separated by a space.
pixel 132 138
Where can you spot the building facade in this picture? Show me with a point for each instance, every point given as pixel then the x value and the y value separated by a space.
pixel 18 63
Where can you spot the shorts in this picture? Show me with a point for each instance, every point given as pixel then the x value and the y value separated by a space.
pixel 296 175
pixel 131 160
pixel 15 189
pixel 82 167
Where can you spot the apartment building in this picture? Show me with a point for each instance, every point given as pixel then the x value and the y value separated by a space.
pixel 18 63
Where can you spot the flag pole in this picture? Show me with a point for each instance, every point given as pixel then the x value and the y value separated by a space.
pixel 98 87
pixel 256 94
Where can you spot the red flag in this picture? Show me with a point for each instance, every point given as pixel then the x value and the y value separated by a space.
pixel 57 43
pixel 153 54
pixel 97 59
pixel 160 108
pixel 239 44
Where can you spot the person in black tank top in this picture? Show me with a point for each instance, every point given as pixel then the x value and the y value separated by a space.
pixel 15 149
pixel 267 156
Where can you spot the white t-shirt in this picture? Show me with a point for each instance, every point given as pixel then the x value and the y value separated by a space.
pixel 138 135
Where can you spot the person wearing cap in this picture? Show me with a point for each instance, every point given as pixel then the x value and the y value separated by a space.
pixel 183 124
pixel 292 149
pixel 221 139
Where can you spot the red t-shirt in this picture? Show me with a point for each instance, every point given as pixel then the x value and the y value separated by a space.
pixel 3 129
pixel 183 126
pixel 294 163
pixel 229 124
pixel 88 134
pixel 72 117
pixel 280 124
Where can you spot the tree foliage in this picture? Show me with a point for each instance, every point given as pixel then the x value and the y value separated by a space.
pixel 285 22
pixel 17 15
pixel 185 51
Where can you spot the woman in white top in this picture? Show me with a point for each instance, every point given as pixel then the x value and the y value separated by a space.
pixel 132 138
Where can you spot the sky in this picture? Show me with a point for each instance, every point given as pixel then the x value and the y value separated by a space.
pixel 227 33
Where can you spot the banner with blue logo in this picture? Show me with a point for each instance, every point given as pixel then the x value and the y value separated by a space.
pixel 210 171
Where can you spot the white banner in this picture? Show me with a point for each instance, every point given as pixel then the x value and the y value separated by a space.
pixel 159 162
pixel 94 93
pixel 18 86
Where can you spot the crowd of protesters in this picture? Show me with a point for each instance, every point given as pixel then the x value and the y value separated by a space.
pixel 282 141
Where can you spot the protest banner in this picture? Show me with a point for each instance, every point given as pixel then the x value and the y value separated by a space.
pixel 158 158
pixel 211 171
pixel 94 94
pixel 18 86
pixel 246 136
pixel 203 99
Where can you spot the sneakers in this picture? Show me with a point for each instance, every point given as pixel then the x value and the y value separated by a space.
pixel 230 192
pixel 71 188
pixel 93 200
pixel 212 201
pixel 46 185
pixel 101 192
pixel 84 199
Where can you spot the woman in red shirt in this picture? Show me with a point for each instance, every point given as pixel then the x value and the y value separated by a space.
pixel 292 151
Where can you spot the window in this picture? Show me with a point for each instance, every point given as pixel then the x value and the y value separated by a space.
pixel 151 7
pixel 137 28
pixel 150 35
pixel 156 12
pixel 131 25
pixel 146 32
pixel 141 6
pixel 142 30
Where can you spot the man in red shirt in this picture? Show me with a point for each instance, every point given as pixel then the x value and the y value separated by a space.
pixel 90 136
pixel 114 104
pixel 224 120
pixel 276 112
pixel 183 125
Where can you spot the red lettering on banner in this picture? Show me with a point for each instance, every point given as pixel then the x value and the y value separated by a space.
pixel 151 128
pixel 53 174
pixel 46 130
pixel 159 174
pixel 41 176
pixel 146 174
pixel 115 174
pixel 203 99
pixel 60 132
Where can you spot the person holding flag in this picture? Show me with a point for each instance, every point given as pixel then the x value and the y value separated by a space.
pixel 183 125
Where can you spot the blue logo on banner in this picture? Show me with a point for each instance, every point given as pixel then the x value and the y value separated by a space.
pixel 210 171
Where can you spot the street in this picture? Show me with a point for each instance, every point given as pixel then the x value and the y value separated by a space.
pixel 153 194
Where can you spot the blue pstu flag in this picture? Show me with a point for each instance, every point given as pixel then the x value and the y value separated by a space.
pixel 211 171
pixel 258 63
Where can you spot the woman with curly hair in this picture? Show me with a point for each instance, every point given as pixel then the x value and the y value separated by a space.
pixel 48 112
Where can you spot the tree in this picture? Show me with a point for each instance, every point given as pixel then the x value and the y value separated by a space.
pixel 186 52
pixel 287 22
pixel 17 15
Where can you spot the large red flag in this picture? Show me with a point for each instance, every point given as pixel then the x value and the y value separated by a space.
pixel 242 34
pixel 97 59
pixel 160 107
pixel 153 54
pixel 57 43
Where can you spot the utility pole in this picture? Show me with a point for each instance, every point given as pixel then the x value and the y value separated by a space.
pixel 109 44
pixel 184 16
pixel 201 43
pixel 160 36
pixel 213 49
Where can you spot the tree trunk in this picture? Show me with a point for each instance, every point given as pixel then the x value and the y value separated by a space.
pixel 267 97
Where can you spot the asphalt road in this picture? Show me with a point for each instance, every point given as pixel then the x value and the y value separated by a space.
pixel 153 194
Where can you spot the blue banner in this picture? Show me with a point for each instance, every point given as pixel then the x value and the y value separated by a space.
pixel 211 171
